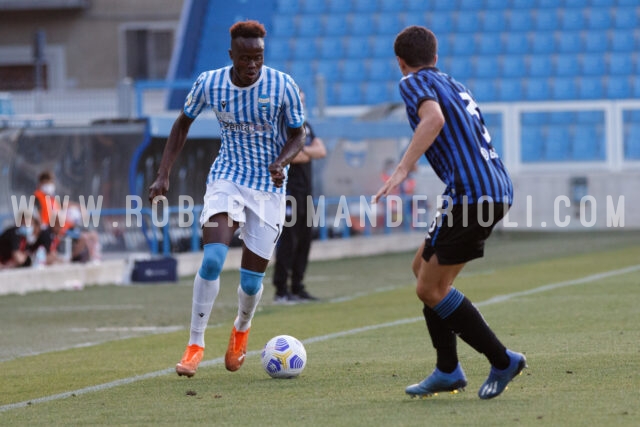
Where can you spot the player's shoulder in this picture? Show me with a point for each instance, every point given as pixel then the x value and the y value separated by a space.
pixel 211 75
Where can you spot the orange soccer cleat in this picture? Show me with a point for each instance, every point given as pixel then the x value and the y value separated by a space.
pixel 237 349
pixel 190 360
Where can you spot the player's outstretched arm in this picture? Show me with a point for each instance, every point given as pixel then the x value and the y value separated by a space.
pixel 175 143
pixel 295 142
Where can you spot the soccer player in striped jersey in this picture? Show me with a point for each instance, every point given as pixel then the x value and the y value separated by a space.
pixel 449 130
pixel 261 119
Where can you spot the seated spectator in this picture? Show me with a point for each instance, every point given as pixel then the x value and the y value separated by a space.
pixel 14 243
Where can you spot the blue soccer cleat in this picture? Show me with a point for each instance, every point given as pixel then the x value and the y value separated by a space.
pixel 437 382
pixel 498 379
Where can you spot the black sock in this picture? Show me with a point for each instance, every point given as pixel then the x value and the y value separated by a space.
pixel 443 340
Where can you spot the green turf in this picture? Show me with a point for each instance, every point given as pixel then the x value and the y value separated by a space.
pixel 582 343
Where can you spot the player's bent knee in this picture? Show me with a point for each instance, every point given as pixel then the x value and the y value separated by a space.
pixel 213 260
pixel 250 281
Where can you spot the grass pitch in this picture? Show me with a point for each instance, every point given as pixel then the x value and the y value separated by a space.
pixel 570 302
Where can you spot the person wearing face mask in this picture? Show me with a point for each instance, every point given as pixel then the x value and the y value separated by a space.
pixel 14 243
pixel 45 198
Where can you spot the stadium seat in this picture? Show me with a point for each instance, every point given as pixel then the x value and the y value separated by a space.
pixel 510 90
pixel 386 6
pixel 625 18
pixel 578 4
pixel 488 43
pixel 284 26
pixel 516 43
pixel 301 69
pixel 493 21
pixel 531 142
pixel 620 64
pixel 361 24
pixel 338 7
pixel 278 49
pixel 439 22
pixel 382 69
pixel 534 118
pixel 346 93
pixel 387 23
pixel 631 116
pixel 519 20
pixel 546 4
pixel 556 143
pixel 513 66
pixel 599 18
pixel 375 93
pixel 444 45
pixel 335 24
pixel 564 88
pixel 493 4
pixel 603 3
pixel 632 142
pixel 572 20
pixel 414 5
pixel 366 6
pixel 276 64
pixel 537 89
pixel 485 67
pixel 622 41
pixel 462 44
pixel 543 42
pixel 569 42
pixel 635 87
pixel 546 20
pixel 524 4
pixel 592 65
pixel 561 117
pixel 460 67
pixel 466 22
pixel 312 7
pixel 618 87
pixel 596 41
pixel 331 47
pixel 470 5
pixel 329 69
pixel 587 144
pixel 288 7
pixel 357 47
pixel 483 90
pixel 304 48
pixel 566 65
pixel 443 5
pixel 309 26
pixel 540 66
pixel 590 88
pixel 381 46
pixel 590 117
pixel 352 70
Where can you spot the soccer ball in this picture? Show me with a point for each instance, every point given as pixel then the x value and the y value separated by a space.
pixel 284 357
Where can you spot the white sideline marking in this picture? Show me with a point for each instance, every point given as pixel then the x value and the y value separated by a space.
pixel 153 329
pixel 85 308
pixel 320 338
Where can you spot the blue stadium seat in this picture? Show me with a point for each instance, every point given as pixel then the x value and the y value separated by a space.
pixel 631 116
pixel 310 26
pixel 493 4
pixel 462 44
pixel 276 64
pixel 623 3
pixel 592 65
pixel 443 5
pixel 587 144
pixel 599 18
pixel 543 42
pixel 304 48
pixel 564 88
pixel 561 117
pixel 546 20
pixel 439 22
pixel 330 69
pixel 488 43
pixel 516 43
pixel 531 143
pixel 632 142
pixel 618 87
pixel 556 143
pixel 414 5
pixel 387 23
pixel 394 6
pixel 579 4
pixel 524 4
pixel 493 21
pixel 591 88
pixel 485 66
pixel 284 26
pixel 418 18
pixel 620 64
pixel 383 69
pixel 361 24
pixel 483 90
pixel 566 65
pixel 352 70
pixel 335 24
pixel 513 66
pixel 625 18
pixel 300 70
pixel 312 7
pixel 346 93
pixel 534 118
pixel 288 7
pixel 510 90
pixel 635 87
pixel 540 66
pixel 622 41
pixel 572 20
pixel 338 7
pixel 603 3
pixel 331 47
pixel 375 92
pixel 537 89
pixel 596 41
pixel 366 6
pixel 466 22
pixel 569 42
pixel 546 4
pixel 394 92
pixel 381 46
pixel 278 49
pixel 590 117
pixel 460 67
pixel 470 5
pixel 357 47
pixel 519 20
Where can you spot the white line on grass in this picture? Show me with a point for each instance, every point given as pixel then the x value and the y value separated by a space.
pixel 219 360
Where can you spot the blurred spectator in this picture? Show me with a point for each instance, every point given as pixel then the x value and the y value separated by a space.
pixel 15 241
pixel 46 203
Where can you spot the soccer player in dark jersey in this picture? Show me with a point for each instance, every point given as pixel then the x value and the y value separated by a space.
pixel 449 130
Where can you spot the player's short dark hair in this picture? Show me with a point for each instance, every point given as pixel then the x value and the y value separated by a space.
pixel 247 29
pixel 416 46
pixel 45 176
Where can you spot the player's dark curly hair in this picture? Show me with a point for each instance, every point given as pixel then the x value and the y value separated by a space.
pixel 416 45
pixel 247 29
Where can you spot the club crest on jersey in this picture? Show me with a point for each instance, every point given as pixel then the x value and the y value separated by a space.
pixel 263 103
pixel 223 105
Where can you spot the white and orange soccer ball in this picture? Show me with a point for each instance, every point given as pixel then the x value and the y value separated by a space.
pixel 284 357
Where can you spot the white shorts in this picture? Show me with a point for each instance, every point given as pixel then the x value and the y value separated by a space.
pixel 260 213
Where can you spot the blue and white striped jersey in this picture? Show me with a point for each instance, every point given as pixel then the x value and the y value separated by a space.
pixel 462 155
pixel 253 122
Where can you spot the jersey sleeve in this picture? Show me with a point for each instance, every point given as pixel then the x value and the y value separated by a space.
pixel 196 99
pixel 294 112
pixel 415 89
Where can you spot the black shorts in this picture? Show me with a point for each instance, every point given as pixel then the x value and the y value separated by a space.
pixel 457 236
